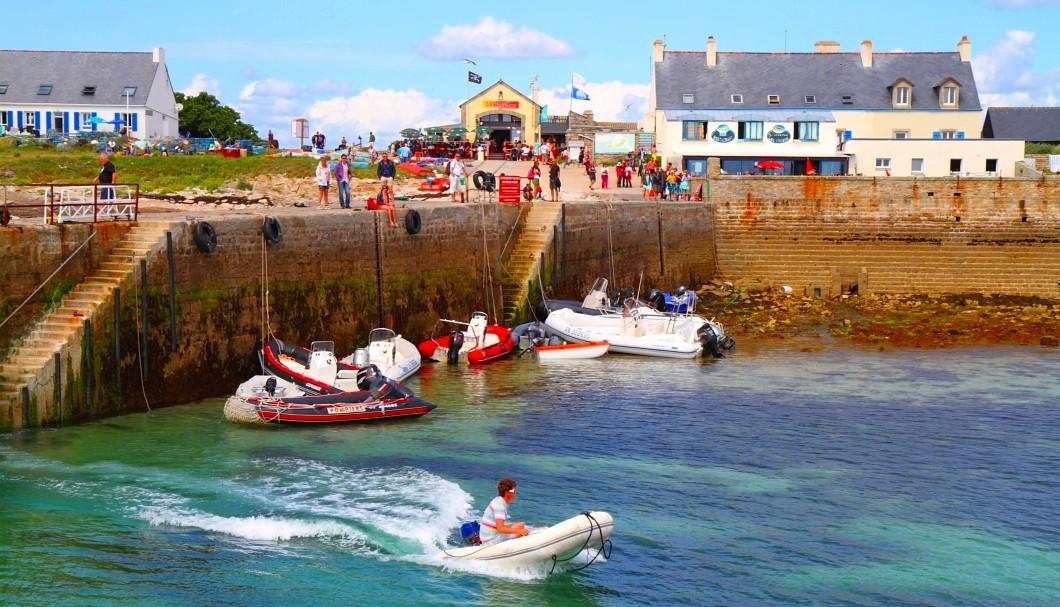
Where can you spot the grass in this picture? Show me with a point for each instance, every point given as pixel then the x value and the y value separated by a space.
pixel 155 174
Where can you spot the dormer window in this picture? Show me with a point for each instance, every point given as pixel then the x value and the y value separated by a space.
pixel 44 89
pixel 811 98
pixel 847 99
pixel 88 90
pixel 3 89
pixel 688 98
pixel 949 95
pixel 949 92
pixel 129 91
pixel 773 99
pixel 737 98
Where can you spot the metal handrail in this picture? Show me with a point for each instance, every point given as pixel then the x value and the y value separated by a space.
pixel 37 290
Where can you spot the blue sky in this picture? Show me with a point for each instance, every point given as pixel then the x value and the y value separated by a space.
pixel 352 67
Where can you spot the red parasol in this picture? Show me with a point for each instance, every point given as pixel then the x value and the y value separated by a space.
pixel 768 164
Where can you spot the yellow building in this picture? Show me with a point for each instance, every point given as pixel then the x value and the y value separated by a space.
pixel 512 115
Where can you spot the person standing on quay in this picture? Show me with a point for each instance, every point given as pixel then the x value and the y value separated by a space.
pixel 107 176
pixel 343 173
pixel 590 170
pixel 323 183
pixel 456 171
pixel 386 170
pixel 553 180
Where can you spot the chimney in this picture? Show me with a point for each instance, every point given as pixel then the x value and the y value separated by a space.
pixel 964 49
pixel 159 55
pixel 712 53
pixel 826 46
pixel 866 53
pixel 588 115
pixel 657 51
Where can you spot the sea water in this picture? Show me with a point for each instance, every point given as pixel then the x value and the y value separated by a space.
pixel 833 477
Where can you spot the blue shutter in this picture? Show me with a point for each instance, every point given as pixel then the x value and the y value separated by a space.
pixel 960 134
pixel 20 119
pixel 936 135
pixel 36 117
pixel 47 121
pixel 847 135
pixel 66 121
pixel 77 121
pixel 134 121
pixel 10 119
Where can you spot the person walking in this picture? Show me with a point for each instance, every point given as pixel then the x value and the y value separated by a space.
pixel 343 173
pixel 323 183
pixel 590 170
pixel 386 171
pixel 108 175
pixel 603 178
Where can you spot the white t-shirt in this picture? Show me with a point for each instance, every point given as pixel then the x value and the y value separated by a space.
pixel 456 167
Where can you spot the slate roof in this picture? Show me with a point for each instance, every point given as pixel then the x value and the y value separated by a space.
pixel 827 76
pixel 1035 124
pixel 69 72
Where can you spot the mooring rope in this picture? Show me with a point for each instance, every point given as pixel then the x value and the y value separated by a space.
pixel 604 545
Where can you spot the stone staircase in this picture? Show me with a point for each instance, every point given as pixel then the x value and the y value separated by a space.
pixel 525 261
pixel 62 323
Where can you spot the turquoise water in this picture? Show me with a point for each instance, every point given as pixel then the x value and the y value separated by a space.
pixel 842 477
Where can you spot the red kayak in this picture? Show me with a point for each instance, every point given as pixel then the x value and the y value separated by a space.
pixel 480 343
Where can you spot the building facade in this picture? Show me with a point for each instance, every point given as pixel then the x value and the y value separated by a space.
pixel 825 112
pixel 64 92
pixel 511 115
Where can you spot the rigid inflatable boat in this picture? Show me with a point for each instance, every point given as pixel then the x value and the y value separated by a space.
pixel 558 543
pixel 480 343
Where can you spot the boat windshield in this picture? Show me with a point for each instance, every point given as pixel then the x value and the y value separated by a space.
pixel 597 297
pixel 323 346
pixel 381 334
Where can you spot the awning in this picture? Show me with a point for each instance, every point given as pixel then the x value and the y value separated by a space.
pixel 745 114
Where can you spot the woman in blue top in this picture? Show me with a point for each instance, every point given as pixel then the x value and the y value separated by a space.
pixel 494 521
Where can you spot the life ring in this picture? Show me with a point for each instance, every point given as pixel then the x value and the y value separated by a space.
pixel 5 216
pixel 479 178
pixel 413 223
pixel 205 237
pixel 271 230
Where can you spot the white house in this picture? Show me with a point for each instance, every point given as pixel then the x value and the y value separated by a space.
pixel 826 112
pixel 63 92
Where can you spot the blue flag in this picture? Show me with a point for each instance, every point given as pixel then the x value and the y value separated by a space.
pixel 577 89
pixel 544 113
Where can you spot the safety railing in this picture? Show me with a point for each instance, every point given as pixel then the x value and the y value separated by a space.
pixel 61 203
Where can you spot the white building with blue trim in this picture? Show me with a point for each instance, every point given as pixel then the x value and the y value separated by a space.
pixel 64 92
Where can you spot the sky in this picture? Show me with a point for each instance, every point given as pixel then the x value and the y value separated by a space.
pixel 356 67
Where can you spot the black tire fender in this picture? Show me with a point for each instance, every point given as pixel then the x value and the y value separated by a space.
pixel 479 179
pixel 205 237
pixel 413 222
pixel 270 229
pixel 491 182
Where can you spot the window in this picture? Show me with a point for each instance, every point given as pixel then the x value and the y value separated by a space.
pixel 883 164
pixel 901 95
pixel 3 121
pixel 811 98
pixel 901 134
pixel 688 98
pixel 949 95
pixel 750 131
pixel 44 89
pixel 128 121
pixel 955 165
pixel 88 90
pixel 947 134
pixel 918 166
pixel 991 165
pixel 737 98
pixel 85 118
pixel 773 99
pixel 847 99
pixel 29 118
pixel 57 122
pixel 694 130
pixel 3 89
pixel 807 131
pixel 129 91
pixel 696 166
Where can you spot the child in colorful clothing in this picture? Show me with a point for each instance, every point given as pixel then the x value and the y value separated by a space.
pixel 494 521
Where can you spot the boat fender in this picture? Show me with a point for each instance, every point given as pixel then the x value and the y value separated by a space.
pixel 427 349
pixel 709 338
pixel 382 387
pixel 365 376
pixel 490 182
pixel 271 230
pixel 555 341
pixel 455 344
pixel 469 533
pixel 657 299
pixel 361 358
pixel 5 216
pixel 413 223
pixel 205 237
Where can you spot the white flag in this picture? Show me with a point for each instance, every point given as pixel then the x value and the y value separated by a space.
pixel 577 90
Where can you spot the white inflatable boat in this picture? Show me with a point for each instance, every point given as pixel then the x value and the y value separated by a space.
pixel 559 543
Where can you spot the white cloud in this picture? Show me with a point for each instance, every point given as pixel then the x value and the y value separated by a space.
pixel 1005 76
pixel 271 104
pixel 202 83
pixel 607 100
pixel 492 39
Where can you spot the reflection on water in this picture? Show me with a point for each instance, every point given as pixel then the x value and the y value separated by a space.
pixel 837 477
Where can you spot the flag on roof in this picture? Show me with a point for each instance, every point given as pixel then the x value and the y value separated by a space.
pixel 473 77
pixel 577 89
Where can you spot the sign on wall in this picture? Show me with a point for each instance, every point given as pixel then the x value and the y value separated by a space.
pixel 615 143
pixel 723 134
pixel 778 134
pixel 509 105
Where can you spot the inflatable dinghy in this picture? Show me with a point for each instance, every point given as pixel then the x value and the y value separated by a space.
pixel 560 542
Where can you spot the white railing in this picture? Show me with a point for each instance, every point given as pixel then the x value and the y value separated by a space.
pixel 91 202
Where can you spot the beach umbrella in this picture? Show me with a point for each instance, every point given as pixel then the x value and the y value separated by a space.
pixel 95 120
pixel 116 121
pixel 457 132
pixel 483 130
pixel 410 133
pixel 768 164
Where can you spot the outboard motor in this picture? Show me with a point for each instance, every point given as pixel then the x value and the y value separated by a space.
pixel 270 386
pixel 614 294
pixel 383 386
pixel 627 293
pixel 657 299
pixel 361 358
pixel 469 534
pixel 365 376
pixel 535 333
pixel 709 338
pixel 455 344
